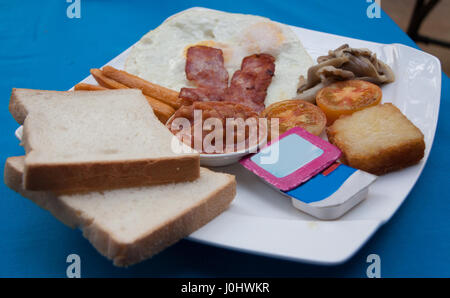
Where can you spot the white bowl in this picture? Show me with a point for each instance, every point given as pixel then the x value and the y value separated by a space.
pixel 226 159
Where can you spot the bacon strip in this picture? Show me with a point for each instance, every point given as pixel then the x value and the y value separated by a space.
pixel 190 95
pixel 205 67
pixel 249 85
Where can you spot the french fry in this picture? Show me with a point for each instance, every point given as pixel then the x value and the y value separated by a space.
pixel 106 82
pixel 88 87
pixel 161 93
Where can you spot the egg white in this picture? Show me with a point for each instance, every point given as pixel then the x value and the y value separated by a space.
pixel 160 56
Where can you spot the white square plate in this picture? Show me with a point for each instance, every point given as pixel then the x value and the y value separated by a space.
pixel 261 221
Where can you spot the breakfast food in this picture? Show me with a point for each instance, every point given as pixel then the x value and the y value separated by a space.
pixel 205 67
pixel 249 84
pixel 88 87
pixel 82 140
pixel 378 140
pixel 106 82
pixel 208 132
pixel 160 56
pixel 162 110
pixel 344 63
pixel 293 113
pixel 347 97
pixel 131 225
pixel 165 95
pixel 101 162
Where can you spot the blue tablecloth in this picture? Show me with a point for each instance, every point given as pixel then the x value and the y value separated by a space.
pixel 42 48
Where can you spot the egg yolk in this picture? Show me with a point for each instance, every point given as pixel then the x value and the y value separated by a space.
pixel 263 37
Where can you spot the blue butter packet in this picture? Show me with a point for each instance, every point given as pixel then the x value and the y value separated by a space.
pixel 332 193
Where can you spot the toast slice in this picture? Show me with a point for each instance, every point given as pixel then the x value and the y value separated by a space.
pixel 131 225
pixel 378 140
pixel 81 140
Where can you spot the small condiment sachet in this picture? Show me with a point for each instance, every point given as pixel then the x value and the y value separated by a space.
pixel 332 193
pixel 294 158
pixel 303 167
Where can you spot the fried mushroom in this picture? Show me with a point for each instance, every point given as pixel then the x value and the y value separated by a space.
pixel 344 63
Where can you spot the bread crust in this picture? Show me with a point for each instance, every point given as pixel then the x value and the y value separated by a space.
pixel 125 254
pixel 110 174
pixel 17 108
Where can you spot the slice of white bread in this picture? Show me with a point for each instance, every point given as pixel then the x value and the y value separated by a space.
pixel 131 225
pixel 378 140
pixel 82 140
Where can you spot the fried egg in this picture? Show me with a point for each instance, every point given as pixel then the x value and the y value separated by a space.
pixel 160 56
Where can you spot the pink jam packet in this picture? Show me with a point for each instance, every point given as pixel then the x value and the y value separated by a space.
pixel 293 159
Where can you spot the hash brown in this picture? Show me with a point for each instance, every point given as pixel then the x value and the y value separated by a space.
pixel 378 140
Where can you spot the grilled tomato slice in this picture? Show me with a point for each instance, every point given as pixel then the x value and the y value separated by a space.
pixel 294 112
pixel 347 97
